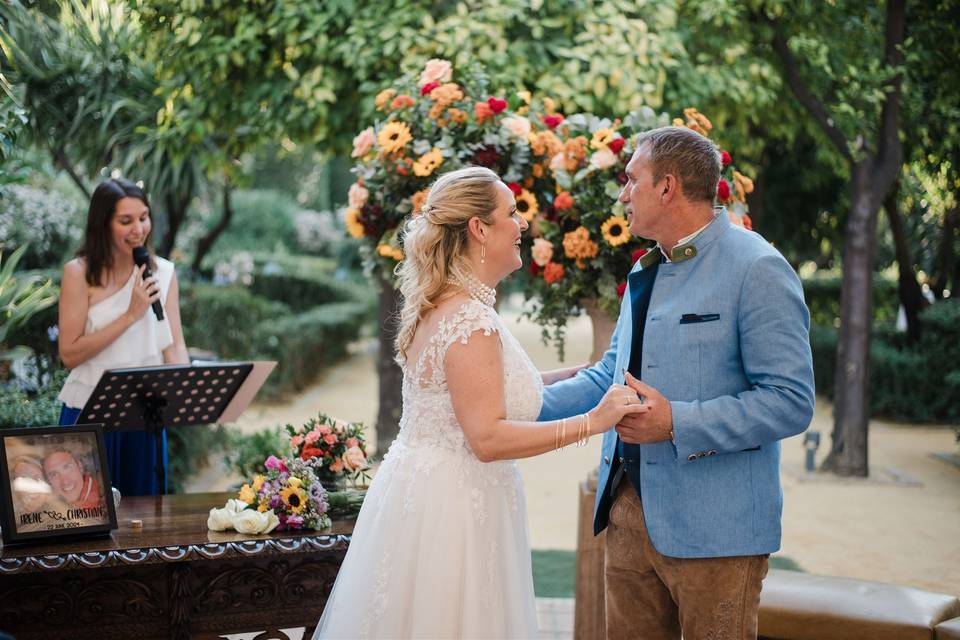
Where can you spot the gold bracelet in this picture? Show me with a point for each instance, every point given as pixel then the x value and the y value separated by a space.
pixel 556 437
pixel 582 440
pixel 563 433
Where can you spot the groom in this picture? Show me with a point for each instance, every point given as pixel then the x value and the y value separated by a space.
pixel 713 335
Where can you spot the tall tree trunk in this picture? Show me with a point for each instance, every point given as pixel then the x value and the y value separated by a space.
pixel 911 295
pixel 60 159
pixel 207 241
pixel 848 454
pixel 391 377
pixel 176 213
pixel 945 266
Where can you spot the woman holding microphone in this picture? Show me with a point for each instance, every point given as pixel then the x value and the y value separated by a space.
pixel 106 321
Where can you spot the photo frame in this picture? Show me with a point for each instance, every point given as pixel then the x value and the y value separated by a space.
pixel 54 482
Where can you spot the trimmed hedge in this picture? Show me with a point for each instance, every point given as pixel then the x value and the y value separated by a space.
pixel 916 383
pixel 223 319
pixel 822 294
pixel 305 343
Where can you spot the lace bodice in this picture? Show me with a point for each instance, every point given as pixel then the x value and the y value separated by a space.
pixel 428 416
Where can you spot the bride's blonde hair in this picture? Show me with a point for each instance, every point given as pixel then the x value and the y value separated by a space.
pixel 435 243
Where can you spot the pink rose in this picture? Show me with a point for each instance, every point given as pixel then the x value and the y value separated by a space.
pixel 518 126
pixel 296 441
pixel 603 159
pixel 352 442
pixel 436 70
pixel 357 196
pixel 542 251
pixel 558 162
pixel 337 465
pixel 312 437
pixel 354 458
pixel 324 429
pixel 330 438
pixel 363 143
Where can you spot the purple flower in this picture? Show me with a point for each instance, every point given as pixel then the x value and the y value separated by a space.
pixel 274 463
pixel 319 496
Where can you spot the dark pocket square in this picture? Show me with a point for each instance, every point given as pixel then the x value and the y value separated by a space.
pixel 690 318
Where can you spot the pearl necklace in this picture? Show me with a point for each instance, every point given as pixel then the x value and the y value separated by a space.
pixel 479 291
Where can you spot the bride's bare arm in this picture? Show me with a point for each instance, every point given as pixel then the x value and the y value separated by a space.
pixel 474 373
pixel 556 375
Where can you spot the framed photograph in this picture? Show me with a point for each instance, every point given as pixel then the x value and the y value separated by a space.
pixel 54 482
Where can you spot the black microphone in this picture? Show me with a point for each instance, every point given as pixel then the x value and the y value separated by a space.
pixel 142 257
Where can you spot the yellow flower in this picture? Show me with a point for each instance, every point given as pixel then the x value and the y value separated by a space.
pixel 387 251
pixel 383 99
pixel 417 200
pixel 262 507
pixel 457 115
pixel 428 163
pixel 742 184
pixel 525 96
pixel 447 94
pixel 549 105
pixel 601 138
pixel 247 494
pixel 294 498
pixel 354 227
pixel 614 231
pixel 294 481
pixel 578 245
pixel 527 205
pixel 693 115
pixel 677 122
pixel 394 136
pixel 258 482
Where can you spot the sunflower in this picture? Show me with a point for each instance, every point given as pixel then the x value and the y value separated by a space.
pixel 383 98
pixel 387 251
pixel 614 231
pixel 394 136
pixel 428 163
pixel 354 226
pixel 295 498
pixel 527 205
pixel 601 138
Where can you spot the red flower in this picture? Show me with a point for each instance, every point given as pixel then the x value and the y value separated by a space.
pixel 553 121
pixel 427 88
pixel 621 289
pixel 534 269
pixel 310 452
pixel 515 187
pixel 725 158
pixel 563 201
pixel 747 222
pixel 497 104
pixel 723 191
pixel 639 253
pixel 553 272
pixel 616 145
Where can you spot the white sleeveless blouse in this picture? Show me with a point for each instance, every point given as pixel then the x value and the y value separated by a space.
pixel 141 345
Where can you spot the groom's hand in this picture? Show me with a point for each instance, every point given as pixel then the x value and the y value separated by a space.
pixel 655 425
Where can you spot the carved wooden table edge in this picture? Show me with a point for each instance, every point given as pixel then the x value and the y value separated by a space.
pixel 178 553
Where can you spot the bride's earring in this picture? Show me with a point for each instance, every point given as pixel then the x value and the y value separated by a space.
pixel 483 253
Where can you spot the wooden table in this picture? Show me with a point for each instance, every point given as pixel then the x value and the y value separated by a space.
pixel 172 579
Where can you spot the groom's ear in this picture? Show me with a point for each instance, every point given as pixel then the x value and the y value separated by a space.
pixel 669 188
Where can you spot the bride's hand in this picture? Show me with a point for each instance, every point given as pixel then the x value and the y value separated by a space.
pixel 556 375
pixel 618 401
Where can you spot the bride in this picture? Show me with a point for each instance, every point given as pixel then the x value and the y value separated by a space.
pixel 440 548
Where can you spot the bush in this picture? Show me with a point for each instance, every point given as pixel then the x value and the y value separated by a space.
pixel 304 343
pixel 916 383
pixel 189 450
pixel 21 409
pixel 302 294
pixel 224 319
pixel 45 220
pixel 245 453
pixel 822 294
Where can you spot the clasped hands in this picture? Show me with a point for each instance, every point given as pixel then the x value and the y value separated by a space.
pixel 655 425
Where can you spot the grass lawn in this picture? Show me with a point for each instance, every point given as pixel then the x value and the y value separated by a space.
pixel 554 571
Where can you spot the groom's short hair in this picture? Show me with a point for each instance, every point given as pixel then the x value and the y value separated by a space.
pixel 686 154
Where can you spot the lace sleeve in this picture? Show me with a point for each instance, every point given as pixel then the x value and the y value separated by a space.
pixel 470 317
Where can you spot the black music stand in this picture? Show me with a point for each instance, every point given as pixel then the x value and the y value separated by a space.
pixel 152 398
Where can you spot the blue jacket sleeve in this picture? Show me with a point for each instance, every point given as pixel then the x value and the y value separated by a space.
pixel 773 326
pixel 582 392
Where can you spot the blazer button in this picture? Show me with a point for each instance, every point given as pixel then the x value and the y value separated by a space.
pixel 712 452
pixel 692 457
pixel 688 251
pixel 606 459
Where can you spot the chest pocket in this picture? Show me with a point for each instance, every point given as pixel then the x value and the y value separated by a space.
pixel 701 352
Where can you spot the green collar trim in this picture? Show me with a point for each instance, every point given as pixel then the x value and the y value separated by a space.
pixel 683 252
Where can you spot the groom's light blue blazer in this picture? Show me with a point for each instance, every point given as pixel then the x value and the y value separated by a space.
pixel 738 373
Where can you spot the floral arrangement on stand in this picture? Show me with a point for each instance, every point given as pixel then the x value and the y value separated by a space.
pixel 580 247
pixel 433 122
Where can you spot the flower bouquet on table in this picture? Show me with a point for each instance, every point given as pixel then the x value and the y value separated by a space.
pixel 432 122
pixel 287 496
pixel 332 450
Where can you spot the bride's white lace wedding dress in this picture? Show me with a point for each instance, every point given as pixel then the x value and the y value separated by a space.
pixel 440 548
